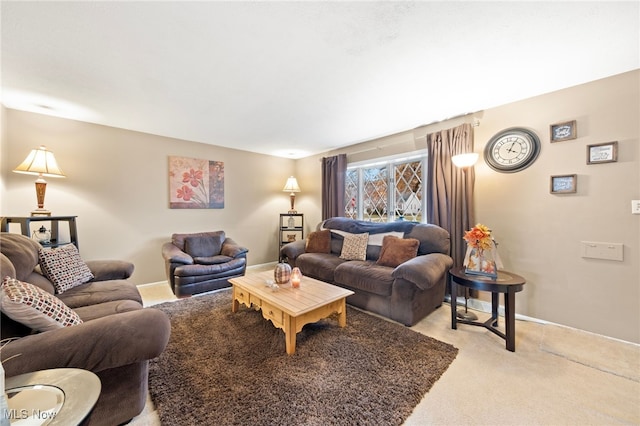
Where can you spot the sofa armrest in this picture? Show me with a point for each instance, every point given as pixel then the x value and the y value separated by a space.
pixel 424 271
pixel 96 345
pixel 293 250
pixel 232 249
pixel 173 254
pixel 105 270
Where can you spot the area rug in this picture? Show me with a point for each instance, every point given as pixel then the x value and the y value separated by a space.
pixel 225 368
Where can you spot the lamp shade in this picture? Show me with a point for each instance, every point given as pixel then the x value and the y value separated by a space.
pixel 291 185
pixel 465 160
pixel 40 162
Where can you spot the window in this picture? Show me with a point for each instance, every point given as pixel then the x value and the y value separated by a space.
pixel 387 190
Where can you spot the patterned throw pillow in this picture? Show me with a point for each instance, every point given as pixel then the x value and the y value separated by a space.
pixel 354 246
pixel 64 267
pixel 34 307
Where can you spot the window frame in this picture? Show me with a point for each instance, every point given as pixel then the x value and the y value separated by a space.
pixel 389 162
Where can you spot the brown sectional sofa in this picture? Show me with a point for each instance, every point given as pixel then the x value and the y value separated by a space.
pixel 116 340
pixel 406 293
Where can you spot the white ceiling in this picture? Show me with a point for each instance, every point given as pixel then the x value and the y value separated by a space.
pixel 299 78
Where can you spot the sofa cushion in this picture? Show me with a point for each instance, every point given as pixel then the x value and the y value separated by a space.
pixel 318 242
pixel 365 276
pixel 396 251
pixel 320 266
pixel 34 307
pixel 100 310
pixel 218 270
pixel 212 260
pixel 203 246
pixel 96 292
pixel 22 251
pixel 64 267
pixel 178 240
pixel 354 246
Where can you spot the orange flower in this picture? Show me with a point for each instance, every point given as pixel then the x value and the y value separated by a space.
pixel 185 193
pixel 478 237
pixel 193 177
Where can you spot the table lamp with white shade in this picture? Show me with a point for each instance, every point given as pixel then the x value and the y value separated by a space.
pixel 40 162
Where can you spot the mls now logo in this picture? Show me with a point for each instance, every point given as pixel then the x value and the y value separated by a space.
pixel 14 414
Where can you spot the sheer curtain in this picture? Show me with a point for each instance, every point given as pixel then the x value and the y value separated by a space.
pixel 450 188
pixel 334 170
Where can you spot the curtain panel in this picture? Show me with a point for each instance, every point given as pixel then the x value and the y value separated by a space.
pixel 334 170
pixel 450 188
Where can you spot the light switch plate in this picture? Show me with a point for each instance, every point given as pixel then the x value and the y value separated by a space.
pixel 606 251
pixel 635 206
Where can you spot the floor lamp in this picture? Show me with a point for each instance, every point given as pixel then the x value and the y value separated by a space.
pixel 464 161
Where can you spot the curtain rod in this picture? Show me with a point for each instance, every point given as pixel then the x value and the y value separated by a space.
pixel 474 123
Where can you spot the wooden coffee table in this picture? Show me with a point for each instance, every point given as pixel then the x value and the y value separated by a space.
pixel 290 308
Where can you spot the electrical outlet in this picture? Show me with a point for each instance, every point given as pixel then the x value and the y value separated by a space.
pixel 635 206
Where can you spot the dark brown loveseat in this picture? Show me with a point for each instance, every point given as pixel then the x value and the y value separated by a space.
pixel 406 293
pixel 116 340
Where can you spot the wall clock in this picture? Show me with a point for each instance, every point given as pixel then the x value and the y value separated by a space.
pixel 512 150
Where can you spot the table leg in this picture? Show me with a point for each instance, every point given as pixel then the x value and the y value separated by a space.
pixel 495 302
pixel 510 319
pixel 342 314
pixel 290 334
pixel 454 308
pixel 234 302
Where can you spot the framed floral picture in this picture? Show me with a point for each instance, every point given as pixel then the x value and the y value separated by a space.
pixel 195 183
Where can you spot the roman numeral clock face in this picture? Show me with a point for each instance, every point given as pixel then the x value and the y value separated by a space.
pixel 512 150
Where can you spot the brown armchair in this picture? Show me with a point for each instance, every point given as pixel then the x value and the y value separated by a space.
pixel 204 261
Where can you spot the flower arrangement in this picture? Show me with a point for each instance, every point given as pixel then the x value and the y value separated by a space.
pixel 479 237
pixel 481 253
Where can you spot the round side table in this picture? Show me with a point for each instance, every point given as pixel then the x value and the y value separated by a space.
pixel 60 396
pixel 506 283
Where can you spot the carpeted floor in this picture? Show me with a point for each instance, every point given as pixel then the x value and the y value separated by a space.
pixel 225 368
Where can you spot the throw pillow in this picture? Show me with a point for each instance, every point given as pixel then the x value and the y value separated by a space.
pixel 354 246
pixel 64 267
pixel 34 307
pixel 396 251
pixel 203 246
pixel 319 242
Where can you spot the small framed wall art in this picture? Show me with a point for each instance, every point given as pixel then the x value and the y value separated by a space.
pixel 602 153
pixel 564 184
pixel 563 131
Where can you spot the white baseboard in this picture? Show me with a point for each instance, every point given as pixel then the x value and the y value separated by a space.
pixel 260 266
pixel 263 265
pixel 483 306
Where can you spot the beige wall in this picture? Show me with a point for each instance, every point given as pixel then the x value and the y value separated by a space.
pixel 539 233
pixel 117 185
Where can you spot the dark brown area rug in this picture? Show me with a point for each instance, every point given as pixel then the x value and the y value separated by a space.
pixel 224 368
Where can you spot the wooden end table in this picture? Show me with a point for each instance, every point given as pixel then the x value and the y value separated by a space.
pixel 507 283
pixel 290 308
